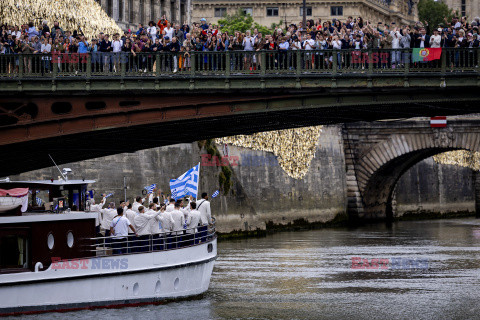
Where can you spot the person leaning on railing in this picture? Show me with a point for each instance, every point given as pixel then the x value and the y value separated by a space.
pixel 119 231
pixel 143 222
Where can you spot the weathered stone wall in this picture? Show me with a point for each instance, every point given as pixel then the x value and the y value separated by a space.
pixel 429 187
pixel 261 192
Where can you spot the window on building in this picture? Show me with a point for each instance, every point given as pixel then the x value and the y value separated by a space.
pixel 162 8
pixel 120 10
pixel 220 12
pixel 248 11
pixel 152 10
pixel 309 11
pixel 464 8
pixel 130 10
pixel 272 12
pixel 110 8
pixel 142 11
pixel 336 11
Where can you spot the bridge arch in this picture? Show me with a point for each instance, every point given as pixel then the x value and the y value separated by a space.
pixel 379 169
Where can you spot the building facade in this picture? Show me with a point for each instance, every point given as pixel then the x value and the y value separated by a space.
pixel 129 13
pixel 266 12
pixel 465 8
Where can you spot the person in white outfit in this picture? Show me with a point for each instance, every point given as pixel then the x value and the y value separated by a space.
pixel 171 205
pixel 205 216
pixel 143 222
pixel 178 223
pixel 138 202
pixel 97 208
pixel 107 217
pixel 193 220
pixel 119 230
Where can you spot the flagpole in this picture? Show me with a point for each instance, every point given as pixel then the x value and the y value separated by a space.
pixel 196 197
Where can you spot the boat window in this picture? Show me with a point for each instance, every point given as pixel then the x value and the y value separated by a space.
pixel 13 251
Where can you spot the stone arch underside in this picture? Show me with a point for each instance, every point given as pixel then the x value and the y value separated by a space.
pixel 379 169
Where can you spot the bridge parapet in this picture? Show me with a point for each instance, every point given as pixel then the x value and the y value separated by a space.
pixel 236 70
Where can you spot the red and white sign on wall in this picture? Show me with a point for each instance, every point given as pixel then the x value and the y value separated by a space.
pixel 438 122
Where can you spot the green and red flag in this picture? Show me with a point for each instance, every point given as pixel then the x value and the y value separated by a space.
pixel 426 54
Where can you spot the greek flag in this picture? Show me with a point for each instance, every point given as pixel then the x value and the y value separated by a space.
pixel 109 195
pixel 186 184
pixel 90 194
pixel 215 194
pixel 39 201
pixel 150 188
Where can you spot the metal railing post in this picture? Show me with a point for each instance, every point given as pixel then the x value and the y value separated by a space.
pixel 335 62
pixel 193 63
pixel 263 59
pixel 227 63
pixel 55 65
pixel 20 66
pixel 157 65
pixel 298 59
pixel 89 65
pixel 443 61
pixel 406 62
pixel 370 61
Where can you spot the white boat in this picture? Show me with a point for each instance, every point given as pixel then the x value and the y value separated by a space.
pixel 55 262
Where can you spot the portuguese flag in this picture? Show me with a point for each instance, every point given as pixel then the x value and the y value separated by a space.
pixel 426 54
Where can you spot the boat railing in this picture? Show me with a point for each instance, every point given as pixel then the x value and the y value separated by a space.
pixel 170 240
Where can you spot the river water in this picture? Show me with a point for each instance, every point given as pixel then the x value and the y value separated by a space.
pixel 309 275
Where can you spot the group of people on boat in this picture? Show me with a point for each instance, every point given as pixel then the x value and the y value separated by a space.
pixel 149 224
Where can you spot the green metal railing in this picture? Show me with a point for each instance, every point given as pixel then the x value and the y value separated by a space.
pixel 231 63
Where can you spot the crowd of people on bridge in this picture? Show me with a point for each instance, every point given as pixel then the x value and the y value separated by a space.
pixel 181 40
pixel 166 222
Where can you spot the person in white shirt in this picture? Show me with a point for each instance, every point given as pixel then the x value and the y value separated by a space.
pixel 46 48
pixel 119 231
pixel 178 223
pixel 138 202
pixel 107 217
pixel 116 49
pixel 97 208
pixel 169 31
pixel 152 30
pixel 193 220
pixel 396 55
pixel 171 205
pixel 143 222
pixel 436 39
pixel 205 216
pixel 309 44
pixel 130 214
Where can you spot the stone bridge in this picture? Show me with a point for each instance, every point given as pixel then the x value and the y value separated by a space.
pixel 378 153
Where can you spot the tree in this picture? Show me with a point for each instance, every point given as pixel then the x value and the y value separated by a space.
pixel 434 12
pixel 240 21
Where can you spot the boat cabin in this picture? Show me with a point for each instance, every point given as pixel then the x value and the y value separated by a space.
pixel 51 226
pixel 51 195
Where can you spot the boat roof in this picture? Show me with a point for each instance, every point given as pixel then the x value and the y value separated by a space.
pixel 42 217
pixel 60 182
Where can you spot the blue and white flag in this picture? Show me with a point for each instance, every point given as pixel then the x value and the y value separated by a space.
pixel 109 195
pixel 186 184
pixel 215 194
pixel 90 194
pixel 150 188
pixel 39 201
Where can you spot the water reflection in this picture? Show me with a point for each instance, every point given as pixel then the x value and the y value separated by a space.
pixel 309 275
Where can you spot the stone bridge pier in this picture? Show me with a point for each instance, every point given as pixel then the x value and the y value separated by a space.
pixel 378 153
